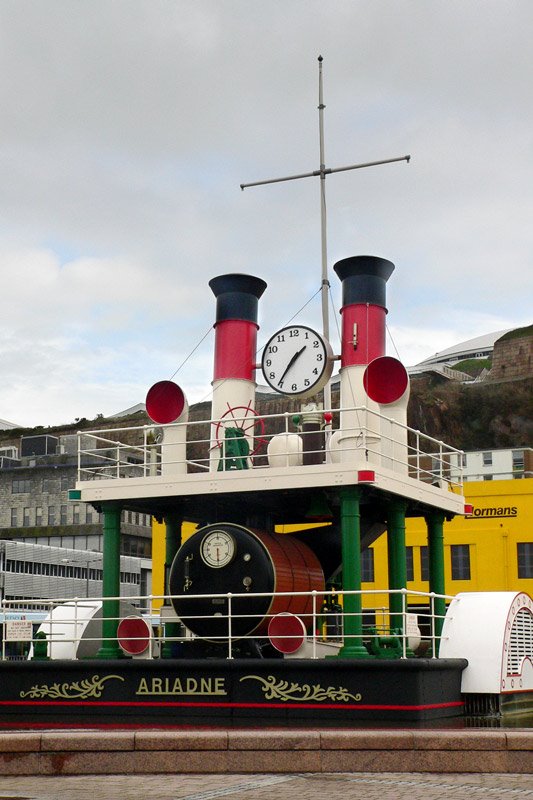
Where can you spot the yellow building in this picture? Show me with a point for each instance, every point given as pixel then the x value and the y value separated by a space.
pixel 489 550
pixel 158 556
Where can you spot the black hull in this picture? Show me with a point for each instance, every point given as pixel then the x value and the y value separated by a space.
pixel 221 692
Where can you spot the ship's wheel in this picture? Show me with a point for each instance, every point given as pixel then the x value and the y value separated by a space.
pixel 247 420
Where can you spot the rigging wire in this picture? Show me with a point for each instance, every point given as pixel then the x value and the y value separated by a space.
pixel 302 308
pixel 192 352
pixel 352 391
pixel 261 346
pixel 393 342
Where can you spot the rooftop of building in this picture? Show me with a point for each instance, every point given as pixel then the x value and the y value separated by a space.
pixel 478 347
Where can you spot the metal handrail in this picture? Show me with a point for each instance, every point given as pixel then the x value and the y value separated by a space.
pixel 67 629
pixel 376 438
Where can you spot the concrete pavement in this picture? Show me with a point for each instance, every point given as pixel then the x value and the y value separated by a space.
pixel 293 786
pixel 264 752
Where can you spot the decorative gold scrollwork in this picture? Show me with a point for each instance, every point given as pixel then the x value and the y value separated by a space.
pixel 77 690
pixel 275 689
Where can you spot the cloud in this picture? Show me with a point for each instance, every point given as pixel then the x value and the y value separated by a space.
pixel 129 126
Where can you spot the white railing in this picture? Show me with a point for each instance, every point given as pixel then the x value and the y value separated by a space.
pixel 325 624
pixel 155 450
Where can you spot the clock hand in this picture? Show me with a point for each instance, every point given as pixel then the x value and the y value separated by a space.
pixel 291 362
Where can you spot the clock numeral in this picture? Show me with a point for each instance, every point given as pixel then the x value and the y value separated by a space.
pixel 280 384
pixel 273 349
pixel 272 375
pixel 306 382
pixel 319 357
pixel 294 332
pixel 306 334
pixel 268 362
pixel 316 343
pixel 294 387
pixel 315 371
pixel 280 338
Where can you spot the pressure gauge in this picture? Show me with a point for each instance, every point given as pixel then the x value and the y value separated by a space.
pixel 297 361
pixel 217 548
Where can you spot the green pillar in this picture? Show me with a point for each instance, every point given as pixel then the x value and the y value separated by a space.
pixel 111 582
pixel 172 543
pixel 351 574
pixel 435 526
pixel 397 560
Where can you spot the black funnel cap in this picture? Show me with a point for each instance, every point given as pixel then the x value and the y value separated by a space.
pixel 364 279
pixel 237 296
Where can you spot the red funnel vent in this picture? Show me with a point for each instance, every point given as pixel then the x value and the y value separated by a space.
pixel 286 632
pixel 133 635
pixel 165 402
pixel 385 380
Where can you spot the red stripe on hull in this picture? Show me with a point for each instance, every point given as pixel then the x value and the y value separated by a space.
pixel 265 706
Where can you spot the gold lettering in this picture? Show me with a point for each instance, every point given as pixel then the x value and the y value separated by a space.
pixel 181 686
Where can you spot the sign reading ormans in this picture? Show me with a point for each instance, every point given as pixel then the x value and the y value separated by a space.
pixel 492 511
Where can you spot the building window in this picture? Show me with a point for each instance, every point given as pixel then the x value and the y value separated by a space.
pixel 409 563
pixel 487 477
pixel 525 559
pixel 76 514
pixel 518 462
pixel 20 486
pixel 14 517
pixel 39 516
pixel 367 565
pixel 65 483
pixel 51 515
pixel 463 459
pixel 487 459
pixel 424 563
pixel 460 562
pixel 88 515
pixel 63 515
pixel 26 517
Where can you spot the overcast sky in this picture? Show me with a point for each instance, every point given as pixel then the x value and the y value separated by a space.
pixel 128 126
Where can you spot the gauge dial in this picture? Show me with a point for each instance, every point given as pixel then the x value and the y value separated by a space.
pixel 217 549
pixel 297 361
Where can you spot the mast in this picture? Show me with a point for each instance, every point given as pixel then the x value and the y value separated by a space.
pixel 321 173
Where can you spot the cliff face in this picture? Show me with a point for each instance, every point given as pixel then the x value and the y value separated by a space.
pixel 467 416
pixel 513 356
pixel 476 416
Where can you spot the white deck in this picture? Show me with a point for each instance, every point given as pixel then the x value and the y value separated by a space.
pixel 111 468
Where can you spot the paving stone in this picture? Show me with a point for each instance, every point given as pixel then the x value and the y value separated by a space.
pixel 274 740
pixel 181 740
pixel 20 742
pixel 87 740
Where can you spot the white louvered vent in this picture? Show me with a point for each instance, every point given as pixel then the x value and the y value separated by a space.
pixel 520 644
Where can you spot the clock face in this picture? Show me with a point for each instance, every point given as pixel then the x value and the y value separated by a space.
pixel 217 549
pixel 297 361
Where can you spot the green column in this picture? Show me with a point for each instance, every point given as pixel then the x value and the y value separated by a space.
pixel 351 574
pixel 173 522
pixel 397 560
pixel 111 582
pixel 435 526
